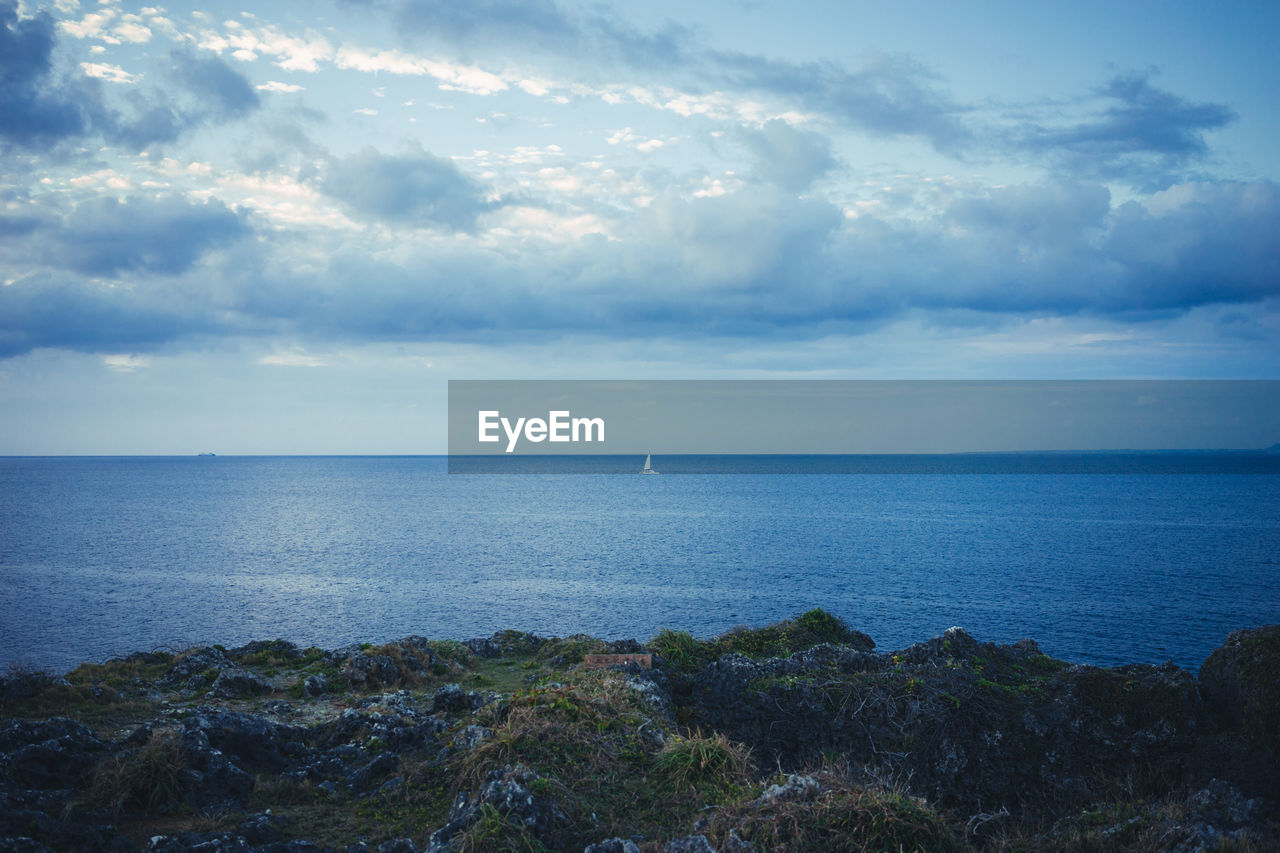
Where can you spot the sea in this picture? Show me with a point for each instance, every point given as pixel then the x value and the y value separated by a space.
pixel 1131 559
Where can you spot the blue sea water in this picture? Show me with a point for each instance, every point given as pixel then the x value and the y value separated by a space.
pixel 104 556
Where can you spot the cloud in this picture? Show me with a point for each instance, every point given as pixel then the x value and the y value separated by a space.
pixel 452 77
pixel 888 96
pixel 206 91
pixel 277 86
pixel 416 188
pixel 222 92
pixel 539 23
pixel 37 109
pixel 78 314
pixel 105 71
pixel 790 158
pixel 32 109
pixel 1145 137
pixel 105 237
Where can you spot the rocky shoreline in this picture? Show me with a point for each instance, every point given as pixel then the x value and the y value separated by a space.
pixel 796 736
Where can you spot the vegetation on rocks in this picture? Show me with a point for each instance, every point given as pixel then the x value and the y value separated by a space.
pixel 793 736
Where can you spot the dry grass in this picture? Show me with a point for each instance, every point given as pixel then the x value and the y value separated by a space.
pixel 144 778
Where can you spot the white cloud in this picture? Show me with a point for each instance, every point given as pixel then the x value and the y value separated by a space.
pixel 292 359
pixel 92 25
pixel 277 86
pixel 110 73
pixel 291 53
pixel 451 77
pixel 125 363
pixel 365 111
pixel 131 29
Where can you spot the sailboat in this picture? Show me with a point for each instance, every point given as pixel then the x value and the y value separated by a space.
pixel 648 468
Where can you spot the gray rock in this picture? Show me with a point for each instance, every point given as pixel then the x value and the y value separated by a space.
pixel 235 683
pixel 470 737
pixel 508 792
pixel 369 671
pixel 315 685
pixel 690 844
pixel 192 663
pixel 612 845
pixel 398 845
pixel 796 787
pixel 451 699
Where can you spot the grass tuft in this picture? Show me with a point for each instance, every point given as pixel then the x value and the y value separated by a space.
pixel 699 759
pixel 148 777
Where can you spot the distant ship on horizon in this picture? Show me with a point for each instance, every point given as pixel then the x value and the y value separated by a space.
pixel 648 468
pixel 206 454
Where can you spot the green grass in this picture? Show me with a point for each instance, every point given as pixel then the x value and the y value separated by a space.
pixel 146 778
pixel 493 832
pixel 842 818
pixel 682 651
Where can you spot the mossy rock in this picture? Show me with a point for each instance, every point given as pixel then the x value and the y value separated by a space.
pixel 1240 684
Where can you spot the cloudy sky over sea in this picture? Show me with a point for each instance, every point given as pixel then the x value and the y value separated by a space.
pixel 282 227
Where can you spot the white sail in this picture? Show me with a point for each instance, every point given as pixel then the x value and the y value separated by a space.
pixel 648 468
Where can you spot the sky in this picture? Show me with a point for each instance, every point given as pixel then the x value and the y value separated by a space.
pixel 282 229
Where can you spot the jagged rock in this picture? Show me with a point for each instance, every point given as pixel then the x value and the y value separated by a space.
pixel 262 829
pixel 451 699
pixel 365 671
pixel 653 686
pixel 398 845
pixel 315 685
pixel 194 662
pixel 278 648
pixel 507 791
pixel 796 787
pixel 235 683
pixel 22 845
pixel 204 842
pixel 53 753
pixel 368 776
pixel 612 845
pixel 483 647
pixel 253 742
pixel 1240 683
pixel 690 844
pixel 969 723
pixel 470 737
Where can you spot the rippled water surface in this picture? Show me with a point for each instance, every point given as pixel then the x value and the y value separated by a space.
pixel 106 556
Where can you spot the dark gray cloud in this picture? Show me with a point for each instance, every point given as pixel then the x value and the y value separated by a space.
pixel 78 314
pixel 32 109
pixel 1145 136
pixel 106 237
pixel 888 96
pixel 39 108
pixel 221 92
pixel 207 91
pixel 757 263
pixel 416 188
